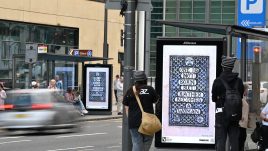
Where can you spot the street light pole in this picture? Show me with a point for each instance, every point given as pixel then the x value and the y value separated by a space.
pixel 129 65
pixel 105 43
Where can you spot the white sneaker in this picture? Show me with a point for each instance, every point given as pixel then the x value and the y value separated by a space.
pixel 85 111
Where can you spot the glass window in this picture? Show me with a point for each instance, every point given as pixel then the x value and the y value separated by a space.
pixel 185 10
pixel 157 10
pixel 9 48
pixel 171 16
pixel 215 16
pixel 171 34
pixel 13 39
pixel 186 4
pixel 199 17
pixel 228 9
pixel 156 29
pixel 4 31
pixel 185 16
pixel 171 3
pixel 215 10
pixel 222 11
pixel 170 29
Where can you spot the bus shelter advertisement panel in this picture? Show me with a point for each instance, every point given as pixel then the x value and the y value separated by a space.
pixel 97 88
pixel 188 114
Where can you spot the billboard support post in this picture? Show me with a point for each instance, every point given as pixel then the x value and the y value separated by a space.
pixel 243 66
pixel 129 65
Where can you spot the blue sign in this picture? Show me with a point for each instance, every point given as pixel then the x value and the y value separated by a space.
pixel 76 52
pixel 89 53
pixel 251 13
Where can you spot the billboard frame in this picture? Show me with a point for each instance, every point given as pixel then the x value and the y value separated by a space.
pixel 220 43
pixel 109 87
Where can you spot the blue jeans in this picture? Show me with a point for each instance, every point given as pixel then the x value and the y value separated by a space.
pixel 140 142
pixel 79 105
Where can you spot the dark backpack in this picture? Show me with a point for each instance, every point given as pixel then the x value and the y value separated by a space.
pixel 232 102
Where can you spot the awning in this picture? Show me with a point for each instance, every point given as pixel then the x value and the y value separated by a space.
pixel 233 30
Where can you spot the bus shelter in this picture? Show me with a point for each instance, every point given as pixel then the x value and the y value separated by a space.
pixel 229 31
pixel 48 68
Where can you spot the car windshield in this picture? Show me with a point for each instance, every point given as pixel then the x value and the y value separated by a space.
pixel 28 98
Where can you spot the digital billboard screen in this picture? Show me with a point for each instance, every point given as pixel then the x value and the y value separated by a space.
pixel 187 73
pixel 97 87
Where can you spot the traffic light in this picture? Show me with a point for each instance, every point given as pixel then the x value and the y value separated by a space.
pixel 257 52
pixel 123 4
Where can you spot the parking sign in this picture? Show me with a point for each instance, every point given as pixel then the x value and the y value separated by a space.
pixel 252 6
pixel 251 13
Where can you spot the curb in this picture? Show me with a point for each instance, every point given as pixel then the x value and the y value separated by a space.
pixel 99 118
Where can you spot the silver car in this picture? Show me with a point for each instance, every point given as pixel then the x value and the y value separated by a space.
pixel 37 109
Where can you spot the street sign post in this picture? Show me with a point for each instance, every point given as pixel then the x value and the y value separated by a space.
pixel 129 49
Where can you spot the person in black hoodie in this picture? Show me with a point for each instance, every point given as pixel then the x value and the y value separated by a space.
pixel 148 96
pixel 223 127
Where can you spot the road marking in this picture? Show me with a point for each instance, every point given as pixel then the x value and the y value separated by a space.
pixel 15 142
pixel 114 147
pixel 10 137
pixel 119 126
pixel 81 135
pixel 71 148
pixel 86 149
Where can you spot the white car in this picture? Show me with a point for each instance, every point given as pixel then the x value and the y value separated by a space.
pixel 37 109
pixel 263 90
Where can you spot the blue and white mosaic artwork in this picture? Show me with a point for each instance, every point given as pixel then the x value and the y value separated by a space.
pixel 189 91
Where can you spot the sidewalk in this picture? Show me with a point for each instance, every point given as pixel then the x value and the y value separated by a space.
pixel 90 117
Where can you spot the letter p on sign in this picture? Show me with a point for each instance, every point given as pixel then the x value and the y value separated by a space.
pixel 252 6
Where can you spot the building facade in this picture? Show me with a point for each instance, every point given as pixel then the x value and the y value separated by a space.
pixel 55 26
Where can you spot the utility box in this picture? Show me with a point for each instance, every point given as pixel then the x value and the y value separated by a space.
pixel 31 53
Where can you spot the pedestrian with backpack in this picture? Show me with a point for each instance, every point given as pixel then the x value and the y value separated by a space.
pixel 227 93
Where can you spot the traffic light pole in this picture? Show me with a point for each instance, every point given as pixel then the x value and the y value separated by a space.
pixel 129 65
pixel 256 81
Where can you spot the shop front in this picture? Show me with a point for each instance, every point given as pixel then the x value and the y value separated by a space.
pixel 16 72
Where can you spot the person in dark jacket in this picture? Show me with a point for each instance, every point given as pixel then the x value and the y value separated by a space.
pixel 148 96
pixel 223 127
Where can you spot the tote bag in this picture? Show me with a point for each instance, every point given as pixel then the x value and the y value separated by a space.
pixel 150 123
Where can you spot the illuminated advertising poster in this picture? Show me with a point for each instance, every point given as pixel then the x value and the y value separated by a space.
pixel 187 81
pixel 97 87
pixel 185 77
